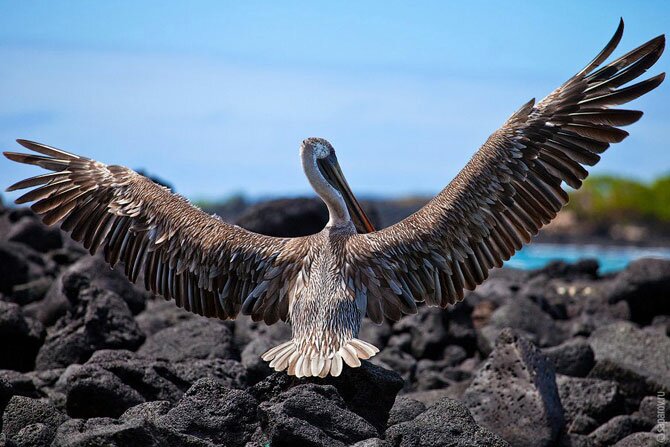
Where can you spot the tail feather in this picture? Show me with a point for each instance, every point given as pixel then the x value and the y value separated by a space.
pixel 287 356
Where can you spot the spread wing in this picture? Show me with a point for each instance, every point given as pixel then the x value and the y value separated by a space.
pixel 204 264
pixel 509 189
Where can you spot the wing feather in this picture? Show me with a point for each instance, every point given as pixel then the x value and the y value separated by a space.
pixel 509 189
pixel 183 253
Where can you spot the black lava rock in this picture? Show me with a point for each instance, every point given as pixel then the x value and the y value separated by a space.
pixel 582 269
pixel 113 381
pixel 597 399
pixel 395 359
pixel 34 435
pixel 229 373
pixel 312 415
pixel 638 359
pixel 291 217
pixel 31 291
pixel 644 285
pixel 654 408
pixel 405 409
pixel 376 334
pixel 525 317
pixel 368 391
pixel 256 367
pixel 21 412
pixel 110 432
pixel 19 264
pixel 93 391
pixel 20 338
pixel 215 413
pixel 572 358
pixel 642 439
pixel 372 442
pixel 160 314
pixel 31 232
pixel 514 394
pixel 616 429
pixel 446 423
pixel 99 320
pixel 62 294
pixel 429 332
pixel 196 338
pixel 436 374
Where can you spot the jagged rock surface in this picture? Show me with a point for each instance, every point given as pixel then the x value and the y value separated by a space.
pixel 88 359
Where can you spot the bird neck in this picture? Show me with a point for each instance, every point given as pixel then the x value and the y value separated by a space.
pixel 337 209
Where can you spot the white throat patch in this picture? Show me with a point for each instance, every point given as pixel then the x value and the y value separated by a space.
pixel 320 151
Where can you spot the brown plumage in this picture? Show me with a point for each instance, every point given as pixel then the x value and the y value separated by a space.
pixel 324 284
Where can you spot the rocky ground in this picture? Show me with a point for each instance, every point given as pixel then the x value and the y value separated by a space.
pixel 555 357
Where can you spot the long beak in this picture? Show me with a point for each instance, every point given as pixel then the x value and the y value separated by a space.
pixel 331 170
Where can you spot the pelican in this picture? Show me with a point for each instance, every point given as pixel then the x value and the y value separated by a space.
pixel 325 284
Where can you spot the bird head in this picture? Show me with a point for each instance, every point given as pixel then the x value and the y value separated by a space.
pixel 326 161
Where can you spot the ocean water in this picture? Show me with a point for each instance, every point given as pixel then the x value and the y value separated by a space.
pixel 611 258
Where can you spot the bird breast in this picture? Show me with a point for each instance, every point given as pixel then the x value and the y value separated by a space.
pixel 324 309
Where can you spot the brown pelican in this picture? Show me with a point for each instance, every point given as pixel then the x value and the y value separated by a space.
pixel 324 284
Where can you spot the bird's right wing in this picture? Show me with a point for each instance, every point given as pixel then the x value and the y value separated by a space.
pixel 206 265
pixel 509 189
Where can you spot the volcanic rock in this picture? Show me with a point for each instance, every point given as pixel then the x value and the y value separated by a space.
pixel 514 394
pixel 34 435
pixel 98 320
pixel 113 381
pixel 368 391
pixel 31 291
pixel 111 432
pixel 196 338
pixel 447 422
pixel 311 414
pixel 653 408
pixel 160 314
pixel 21 412
pixel 256 367
pixel 19 264
pixel 376 334
pixel 292 217
pixel 372 442
pixel 405 409
pixel 642 439
pixel 215 413
pixel 99 275
pixel 20 338
pixel 572 358
pixel 501 286
pixel 528 319
pixel 31 232
pixel 393 358
pixel 429 331
pixel 616 429
pixel 644 285
pixel 594 398
pixel 638 359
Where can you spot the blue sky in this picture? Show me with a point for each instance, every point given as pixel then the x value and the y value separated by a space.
pixel 216 97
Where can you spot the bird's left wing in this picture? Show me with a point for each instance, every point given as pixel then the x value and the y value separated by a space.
pixel 206 265
pixel 505 194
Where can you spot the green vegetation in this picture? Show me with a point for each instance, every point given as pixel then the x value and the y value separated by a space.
pixel 608 199
pixel 603 200
pixel 234 200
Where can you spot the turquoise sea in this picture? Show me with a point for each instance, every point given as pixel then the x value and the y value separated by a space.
pixel 611 258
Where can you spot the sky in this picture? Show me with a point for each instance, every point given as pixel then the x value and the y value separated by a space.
pixel 215 96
